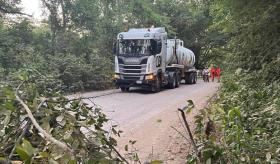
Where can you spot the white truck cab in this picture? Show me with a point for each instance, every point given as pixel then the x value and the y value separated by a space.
pixel 141 59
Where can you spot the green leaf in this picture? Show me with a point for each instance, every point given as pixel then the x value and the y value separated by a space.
pixel 35 104
pixel 25 151
pixel 28 147
pixel 72 162
pixel 2 159
pixel 45 124
pixel 135 157
pixel 189 107
pixel 7 114
pixel 190 103
pixel 67 136
pixel 233 113
pixel 10 106
pixel 187 110
pixel 75 144
pixel 219 109
pixel 44 154
pixel 9 93
pixel 23 154
pixel 156 162
pixel 126 147
pixel 23 76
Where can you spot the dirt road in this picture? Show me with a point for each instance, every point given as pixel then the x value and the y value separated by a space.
pixel 148 117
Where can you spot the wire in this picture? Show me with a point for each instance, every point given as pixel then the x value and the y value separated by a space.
pixel 83 98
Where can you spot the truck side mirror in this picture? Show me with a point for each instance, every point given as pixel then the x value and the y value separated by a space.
pixel 153 47
pixel 115 48
pixel 159 46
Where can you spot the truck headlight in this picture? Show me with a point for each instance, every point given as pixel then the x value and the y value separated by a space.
pixel 117 76
pixel 149 77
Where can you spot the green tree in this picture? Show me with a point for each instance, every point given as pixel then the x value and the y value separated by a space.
pixel 244 37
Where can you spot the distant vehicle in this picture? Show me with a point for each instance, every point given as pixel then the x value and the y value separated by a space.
pixel 146 58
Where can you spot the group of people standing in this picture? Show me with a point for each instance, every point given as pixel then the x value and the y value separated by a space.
pixel 211 73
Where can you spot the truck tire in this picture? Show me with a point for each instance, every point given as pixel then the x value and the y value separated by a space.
pixel 178 81
pixel 172 84
pixel 157 86
pixel 124 89
pixel 187 78
pixel 191 79
pixel 195 78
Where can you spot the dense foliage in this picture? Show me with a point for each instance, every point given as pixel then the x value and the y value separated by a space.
pixel 79 34
pixel 74 65
pixel 246 113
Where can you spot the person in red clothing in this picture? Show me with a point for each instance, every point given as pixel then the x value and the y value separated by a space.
pixel 218 73
pixel 213 73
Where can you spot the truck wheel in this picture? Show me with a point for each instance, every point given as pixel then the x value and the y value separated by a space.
pixel 178 81
pixel 195 78
pixel 187 78
pixel 172 84
pixel 157 86
pixel 191 79
pixel 124 89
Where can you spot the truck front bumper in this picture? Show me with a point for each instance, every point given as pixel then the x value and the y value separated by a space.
pixel 134 83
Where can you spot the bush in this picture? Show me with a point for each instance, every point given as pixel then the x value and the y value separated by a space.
pixel 246 120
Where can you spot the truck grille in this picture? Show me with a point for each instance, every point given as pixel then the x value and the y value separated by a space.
pixel 132 67
pixel 134 78
pixel 131 70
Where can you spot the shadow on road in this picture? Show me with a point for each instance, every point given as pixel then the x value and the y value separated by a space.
pixel 148 91
pixel 140 90
pixel 164 89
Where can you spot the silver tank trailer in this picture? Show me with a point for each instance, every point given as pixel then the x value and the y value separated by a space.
pixel 185 56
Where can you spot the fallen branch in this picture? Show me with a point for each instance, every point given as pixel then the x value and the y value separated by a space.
pixel 46 135
pixel 189 131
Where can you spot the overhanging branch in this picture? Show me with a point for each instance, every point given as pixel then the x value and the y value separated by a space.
pixel 5 11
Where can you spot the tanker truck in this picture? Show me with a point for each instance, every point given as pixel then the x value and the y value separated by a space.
pixel 145 58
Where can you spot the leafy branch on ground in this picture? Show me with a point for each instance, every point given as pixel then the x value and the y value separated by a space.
pixel 37 131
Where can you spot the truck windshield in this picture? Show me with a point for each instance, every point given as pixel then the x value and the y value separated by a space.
pixel 135 47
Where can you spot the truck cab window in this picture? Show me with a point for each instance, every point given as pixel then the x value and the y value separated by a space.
pixel 159 47
pixel 135 47
pixel 156 46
